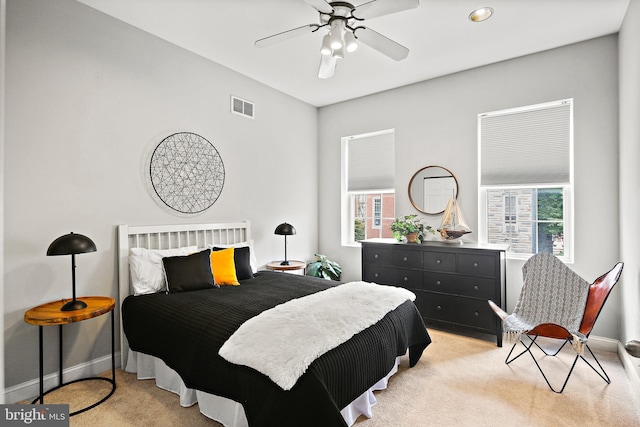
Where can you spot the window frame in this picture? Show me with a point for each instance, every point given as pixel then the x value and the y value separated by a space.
pixel 567 188
pixel 347 222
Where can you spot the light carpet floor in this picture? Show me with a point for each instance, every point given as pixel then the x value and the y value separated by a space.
pixel 459 381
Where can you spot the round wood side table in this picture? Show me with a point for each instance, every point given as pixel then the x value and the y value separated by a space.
pixel 293 265
pixel 50 314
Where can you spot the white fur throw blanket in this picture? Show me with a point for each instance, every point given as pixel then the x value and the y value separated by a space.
pixel 282 342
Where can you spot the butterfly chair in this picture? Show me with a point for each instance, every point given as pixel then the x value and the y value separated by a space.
pixel 556 303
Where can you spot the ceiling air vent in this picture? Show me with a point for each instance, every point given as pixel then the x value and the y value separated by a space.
pixel 242 107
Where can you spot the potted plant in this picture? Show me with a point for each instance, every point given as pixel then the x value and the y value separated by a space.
pixel 324 268
pixel 411 228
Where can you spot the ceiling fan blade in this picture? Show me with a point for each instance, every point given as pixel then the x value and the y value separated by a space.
pixel 286 35
pixel 320 5
pixel 376 8
pixel 327 66
pixel 381 43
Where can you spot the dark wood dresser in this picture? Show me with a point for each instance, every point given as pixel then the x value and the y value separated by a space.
pixel 452 281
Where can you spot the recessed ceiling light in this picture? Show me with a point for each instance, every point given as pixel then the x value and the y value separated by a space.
pixel 481 14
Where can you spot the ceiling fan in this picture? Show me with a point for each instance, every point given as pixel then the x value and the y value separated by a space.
pixel 344 22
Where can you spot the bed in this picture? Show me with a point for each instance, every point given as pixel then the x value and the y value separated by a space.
pixel 179 338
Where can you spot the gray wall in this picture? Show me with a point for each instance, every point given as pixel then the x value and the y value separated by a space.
pixel 87 98
pixel 629 171
pixel 435 123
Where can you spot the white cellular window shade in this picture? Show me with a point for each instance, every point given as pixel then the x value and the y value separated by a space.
pixel 370 162
pixel 526 146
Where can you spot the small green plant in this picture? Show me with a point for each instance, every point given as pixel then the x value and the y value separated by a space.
pixel 408 224
pixel 324 268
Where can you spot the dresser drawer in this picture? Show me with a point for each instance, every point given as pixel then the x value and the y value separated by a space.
pixel 379 274
pixel 410 279
pixel 440 261
pixel 480 265
pixel 376 255
pixel 476 287
pixel 407 259
pixel 462 311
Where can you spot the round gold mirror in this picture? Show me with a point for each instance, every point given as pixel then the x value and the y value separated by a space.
pixel 431 188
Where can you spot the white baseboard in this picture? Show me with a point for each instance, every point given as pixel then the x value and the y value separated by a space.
pixel 632 366
pixel 605 344
pixel 29 390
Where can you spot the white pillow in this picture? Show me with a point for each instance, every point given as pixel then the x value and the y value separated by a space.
pixel 252 253
pixel 147 271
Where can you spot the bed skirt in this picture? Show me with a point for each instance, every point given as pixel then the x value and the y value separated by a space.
pixel 226 411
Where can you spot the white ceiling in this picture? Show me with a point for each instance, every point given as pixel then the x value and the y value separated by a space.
pixel 441 38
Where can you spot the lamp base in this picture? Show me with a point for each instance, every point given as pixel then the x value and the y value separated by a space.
pixel 74 305
pixel 285 262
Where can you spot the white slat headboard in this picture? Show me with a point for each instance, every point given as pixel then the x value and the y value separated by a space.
pixel 169 237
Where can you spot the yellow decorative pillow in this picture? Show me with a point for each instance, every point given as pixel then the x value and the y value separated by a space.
pixel 223 267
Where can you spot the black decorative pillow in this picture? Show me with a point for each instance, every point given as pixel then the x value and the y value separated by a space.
pixel 189 273
pixel 242 261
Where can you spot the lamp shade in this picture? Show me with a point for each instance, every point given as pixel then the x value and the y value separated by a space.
pixel 350 41
pixel 71 244
pixel 325 49
pixel 285 229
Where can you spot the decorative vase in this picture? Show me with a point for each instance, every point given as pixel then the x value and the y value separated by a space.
pixel 412 237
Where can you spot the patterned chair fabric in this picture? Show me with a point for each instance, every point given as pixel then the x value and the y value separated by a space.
pixel 551 293
pixel 556 303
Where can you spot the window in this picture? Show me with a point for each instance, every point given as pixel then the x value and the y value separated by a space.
pixel 532 221
pixel 377 212
pixel 368 194
pixel 526 178
pixel 510 202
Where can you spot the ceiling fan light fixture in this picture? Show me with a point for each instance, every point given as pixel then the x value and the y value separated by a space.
pixel 350 41
pixel 340 20
pixel 336 40
pixel 337 28
pixel 338 53
pixel 325 49
pixel 481 14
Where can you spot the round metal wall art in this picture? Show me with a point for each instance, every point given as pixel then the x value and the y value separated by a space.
pixel 186 172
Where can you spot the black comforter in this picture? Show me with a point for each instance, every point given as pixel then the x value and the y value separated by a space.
pixel 187 329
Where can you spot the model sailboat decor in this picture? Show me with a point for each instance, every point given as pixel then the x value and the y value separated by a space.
pixel 453 226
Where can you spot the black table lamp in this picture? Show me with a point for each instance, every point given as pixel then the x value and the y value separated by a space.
pixel 285 230
pixel 72 244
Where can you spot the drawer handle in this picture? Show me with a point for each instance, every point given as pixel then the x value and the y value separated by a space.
pixel 438 261
pixel 476 314
pixel 438 283
pixel 406 279
pixel 475 287
pixel 405 258
pixel 375 256
pixel 475 264
pixel 376 275
pixel 439 307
